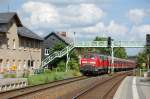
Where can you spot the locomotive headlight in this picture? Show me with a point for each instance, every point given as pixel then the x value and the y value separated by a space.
pixel 84 62
pixel 92 62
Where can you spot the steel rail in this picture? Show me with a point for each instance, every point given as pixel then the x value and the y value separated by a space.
pixel 96 85
pixel 31 89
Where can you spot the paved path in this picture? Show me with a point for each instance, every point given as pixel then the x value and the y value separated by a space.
pixel 12 80
pixel 12 83
pixel 133 88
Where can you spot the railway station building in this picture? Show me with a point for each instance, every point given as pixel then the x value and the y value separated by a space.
pixel 20 48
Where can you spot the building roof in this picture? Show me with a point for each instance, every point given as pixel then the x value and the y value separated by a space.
pixel 7 17
pixel 3 27
pixel 64 39
pixel 25 32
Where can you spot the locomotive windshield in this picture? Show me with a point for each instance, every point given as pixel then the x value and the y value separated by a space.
pixel 103 57
pixel 92 56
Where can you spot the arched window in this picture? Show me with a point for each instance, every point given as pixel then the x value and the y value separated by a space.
pixel 14 45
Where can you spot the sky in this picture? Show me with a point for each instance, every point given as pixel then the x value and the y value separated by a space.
pixel 120 19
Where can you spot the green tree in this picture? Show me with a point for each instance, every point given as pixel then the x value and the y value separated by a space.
pixel 60 63
pixel 57 47
pixel 142 58
pixel 102 50
pixel 118 52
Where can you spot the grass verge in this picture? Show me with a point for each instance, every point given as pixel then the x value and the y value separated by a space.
pixel 49 76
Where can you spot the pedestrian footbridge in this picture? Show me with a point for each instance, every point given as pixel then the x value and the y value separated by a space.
pixel 84 44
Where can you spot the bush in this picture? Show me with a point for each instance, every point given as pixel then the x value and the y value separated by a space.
pixel 75 73
pixel 9 75
pixel 73 65
pixel 61 66
pixel 47 71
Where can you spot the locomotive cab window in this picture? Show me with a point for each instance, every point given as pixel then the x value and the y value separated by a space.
pixel 89 56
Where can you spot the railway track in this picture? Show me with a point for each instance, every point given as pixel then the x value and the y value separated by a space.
pixel 74 88
pixel 104 89
pixel 22 92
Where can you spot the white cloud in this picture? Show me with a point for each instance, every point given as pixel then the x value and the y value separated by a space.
pixel 68 2
pixel 84 18
pixel 113 29
pixel 139 32
pixel 40 14
pixel 82 15
pixel 50 17
pixel 136 15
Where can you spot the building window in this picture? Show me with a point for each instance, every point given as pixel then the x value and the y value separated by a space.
pixel 47 51
pixel 1 44
pixel 30 63
pixel 14 45
pixel 32 44
pixel 28 44
pixel 1 68
pixel 7 64
pixel 1 62
pixel 19 64
pixel 1 40
pixel 7 43
pixel 14 63
pixel 24 64
pixel 24 43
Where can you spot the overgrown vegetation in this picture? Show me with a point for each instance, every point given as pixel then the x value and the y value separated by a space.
pixel 59 64
pixel 143 59
pixel 51 75
pixel 9 75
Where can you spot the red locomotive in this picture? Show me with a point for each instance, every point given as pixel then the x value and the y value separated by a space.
pixel 92 63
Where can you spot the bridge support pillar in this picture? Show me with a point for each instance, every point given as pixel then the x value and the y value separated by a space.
pixel 112 59
pixel 67 60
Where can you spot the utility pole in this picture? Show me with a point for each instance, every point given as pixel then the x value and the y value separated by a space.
pixel 74 37
pixel 148 61
pixel 148 49
pixel 110 45
pixel 112 58
pixel 8 7
pixel 67 59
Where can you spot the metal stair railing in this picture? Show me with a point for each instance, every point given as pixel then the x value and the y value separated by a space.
pixel 57 54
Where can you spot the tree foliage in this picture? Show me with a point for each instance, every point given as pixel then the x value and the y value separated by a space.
pixel 118 52
pixel 142 58
pixel 60 63
pixel 57 47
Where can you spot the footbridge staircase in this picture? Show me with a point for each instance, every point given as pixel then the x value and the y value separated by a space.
pixel 57 54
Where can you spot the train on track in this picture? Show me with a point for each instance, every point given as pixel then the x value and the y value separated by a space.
pixel 93 63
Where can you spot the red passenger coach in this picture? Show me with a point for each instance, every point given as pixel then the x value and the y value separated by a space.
pixel 96 63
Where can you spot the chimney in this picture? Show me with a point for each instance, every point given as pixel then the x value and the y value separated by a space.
pixel 64 34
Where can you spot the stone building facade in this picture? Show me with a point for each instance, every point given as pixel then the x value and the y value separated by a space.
pixel 19 47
